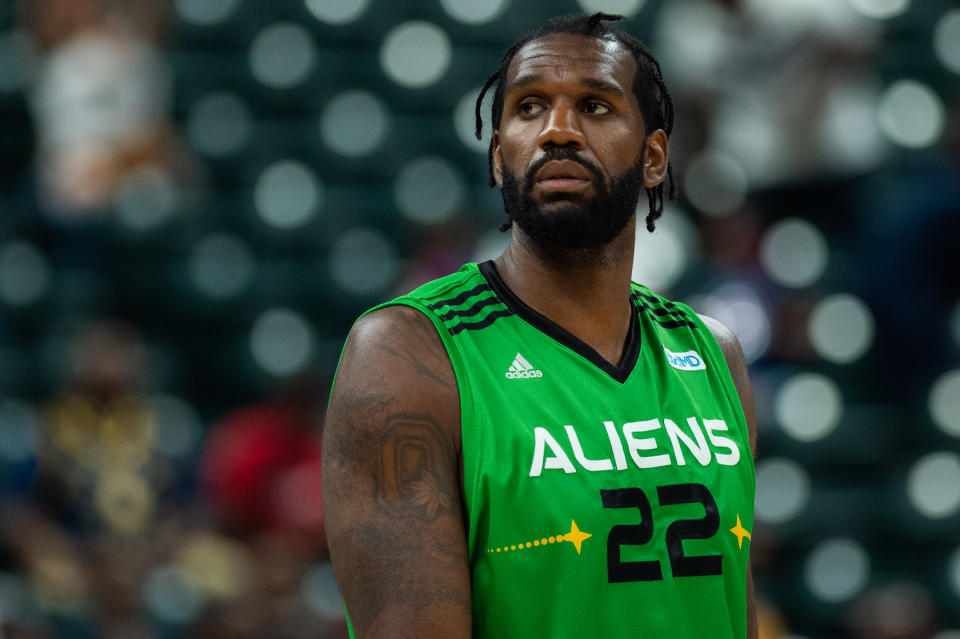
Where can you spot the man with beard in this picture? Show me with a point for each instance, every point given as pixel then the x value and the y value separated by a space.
pixel 536 446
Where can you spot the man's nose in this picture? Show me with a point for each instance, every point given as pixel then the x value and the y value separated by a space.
pixel 562 127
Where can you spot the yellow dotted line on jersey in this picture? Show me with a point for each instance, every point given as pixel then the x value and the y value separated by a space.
pixel 543 541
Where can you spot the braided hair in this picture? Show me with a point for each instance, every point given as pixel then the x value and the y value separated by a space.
pixel 656 104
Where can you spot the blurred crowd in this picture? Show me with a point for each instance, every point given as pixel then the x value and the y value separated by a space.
pixel 135 507
pixel 121 516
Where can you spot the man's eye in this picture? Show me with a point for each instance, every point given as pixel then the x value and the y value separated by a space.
pixel 596 108
pixel 530 108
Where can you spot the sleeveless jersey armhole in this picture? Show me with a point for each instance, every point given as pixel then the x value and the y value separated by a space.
pixel 720 362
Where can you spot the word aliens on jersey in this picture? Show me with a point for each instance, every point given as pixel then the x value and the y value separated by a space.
pixel 641 445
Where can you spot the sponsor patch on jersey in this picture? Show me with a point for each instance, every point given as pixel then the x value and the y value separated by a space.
pixel 522 369
pixel 685 361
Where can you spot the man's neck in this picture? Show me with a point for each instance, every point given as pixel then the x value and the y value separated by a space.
pixel 585 291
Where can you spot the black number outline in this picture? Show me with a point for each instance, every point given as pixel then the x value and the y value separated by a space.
pixel 629 535
pixel 703 528
pixel 681 565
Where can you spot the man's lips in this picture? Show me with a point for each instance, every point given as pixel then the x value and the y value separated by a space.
pixel 563 175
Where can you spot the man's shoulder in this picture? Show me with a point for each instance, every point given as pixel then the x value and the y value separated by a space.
pixel 452 303
pixel 430 293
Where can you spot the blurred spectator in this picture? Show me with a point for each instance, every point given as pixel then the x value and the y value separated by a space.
pixel 898 611
pixel 101 102
pixel 98 467
pixel 261 469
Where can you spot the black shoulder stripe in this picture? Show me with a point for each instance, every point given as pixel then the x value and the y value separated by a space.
pixel 651 298
pixel 485 322
pixel 657 311
pixel 652 313
pixel 660 311
pixel 461 298
pixel 472 310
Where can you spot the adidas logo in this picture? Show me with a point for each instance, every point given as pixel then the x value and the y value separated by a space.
pixel 522 369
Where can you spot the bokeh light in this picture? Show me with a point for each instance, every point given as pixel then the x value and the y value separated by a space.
pixel 944 402
pixel 933 485
pixel 218 566
pixel 204 12
pixel 320 591
pixel 850 136
pixel 281 342
pixel 911 114
pixel 146 198
pixel 474 11
pixel 794 253
pixel 841 328
pixel 837 569
pixel 622 7
pixel 716 183
pixel 24 273
pixel 783 490
pixel 661 258
pixel 740 309
pixel 808 406
pixel 18 431
pixel 363 261
pixel 171 596
pixel 490 244
pixel 221 265
pixel 416 54
pixel 881 9
pixel 178 429
pixel 355 123
pixel 219 124
pixel 337 12
pixel 946 40
pixel 282 55
pixel 287 194
pixel 428 190
pixel 953 571
pixel 464 120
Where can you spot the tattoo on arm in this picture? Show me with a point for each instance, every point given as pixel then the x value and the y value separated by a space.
pixel 413 472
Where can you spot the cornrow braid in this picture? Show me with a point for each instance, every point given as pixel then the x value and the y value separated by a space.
pixel 656 103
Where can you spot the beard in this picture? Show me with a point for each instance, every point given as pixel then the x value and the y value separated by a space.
pixel 573 222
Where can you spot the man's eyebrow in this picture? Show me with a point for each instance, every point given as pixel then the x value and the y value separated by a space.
pixel 603 86
pixel 523 81
pixel 598 85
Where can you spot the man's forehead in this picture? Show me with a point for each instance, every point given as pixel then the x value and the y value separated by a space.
pixel 604 57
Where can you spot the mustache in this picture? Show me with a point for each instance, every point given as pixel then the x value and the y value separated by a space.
pixel 561 153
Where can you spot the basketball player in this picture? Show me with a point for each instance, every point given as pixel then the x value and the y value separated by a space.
pixel 535 446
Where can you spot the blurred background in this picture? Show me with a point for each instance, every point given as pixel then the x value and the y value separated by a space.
pixel 197 198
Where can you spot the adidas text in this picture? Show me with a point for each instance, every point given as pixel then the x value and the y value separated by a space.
pixel 522 369
pixel 524 374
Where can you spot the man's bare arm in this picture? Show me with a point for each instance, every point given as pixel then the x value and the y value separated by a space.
pixel 741 379
pixel 391 481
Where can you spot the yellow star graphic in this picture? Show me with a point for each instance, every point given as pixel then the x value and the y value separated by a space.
pixel 576 536
pixel 740 532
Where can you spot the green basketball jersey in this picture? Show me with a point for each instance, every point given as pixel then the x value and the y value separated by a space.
pixel 603 501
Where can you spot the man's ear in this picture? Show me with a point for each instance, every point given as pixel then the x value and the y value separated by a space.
pixel 655 159
pixel 497 160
